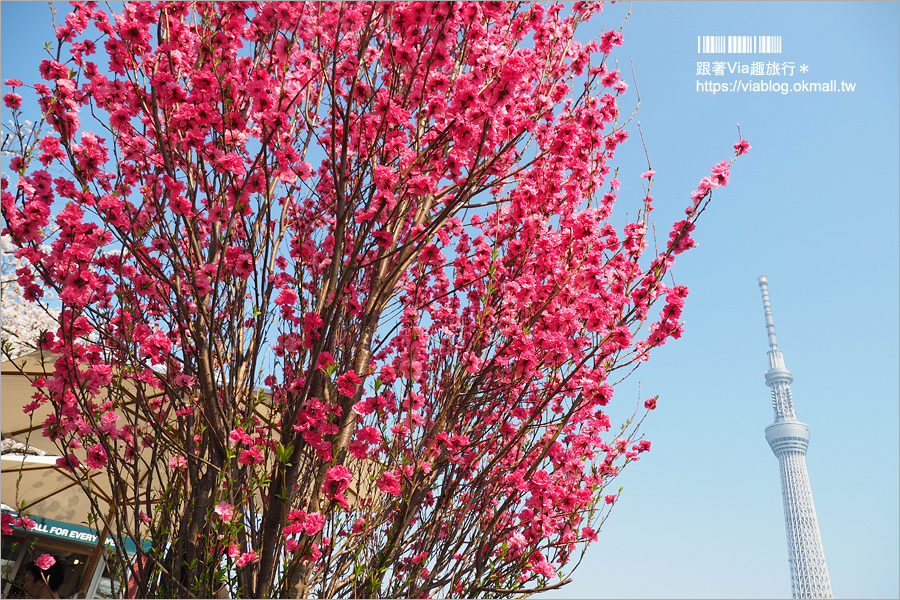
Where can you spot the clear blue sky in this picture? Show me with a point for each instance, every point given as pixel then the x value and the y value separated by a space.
pixel 814 206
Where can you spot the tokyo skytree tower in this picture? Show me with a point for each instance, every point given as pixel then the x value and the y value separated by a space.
pixel 789 439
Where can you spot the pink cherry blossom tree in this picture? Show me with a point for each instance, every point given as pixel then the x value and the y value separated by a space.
pixel 341 300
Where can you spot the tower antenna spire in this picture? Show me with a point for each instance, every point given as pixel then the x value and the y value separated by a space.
pixel 770 323
pixel 789 440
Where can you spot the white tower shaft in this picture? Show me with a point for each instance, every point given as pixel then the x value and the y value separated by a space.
pixel 789 440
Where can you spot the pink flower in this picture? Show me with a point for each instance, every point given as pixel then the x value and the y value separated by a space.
pixel 610 79
pixel 363 407
pixel 611 498
pixel 648 174
pixel 610 39
pixel 358 449
pixel 13 82
pixel 314 523
pixel 68 462
pixel 650 403
pixel 679 238
pixel 387 374
pixel 178 462
pixel 240 436
pixel 369 435
pixel 51 69
pixel 247 558
pixel 312 322
pixel 224 510
pixel 473 362
pixel 337 479
pixel 359 525
pixel 544 568
pixel 325 361
pixel 286 300
pixel 642 446
pixel 720 173
pixel 6 522
pixel 348 383
pixel 253 456
pixel 240 261
pixel 314 553
pixel 389 483
pixel 96 457
pixel 45 561
pixel 742 147
pixel 13 101
pixel 516 541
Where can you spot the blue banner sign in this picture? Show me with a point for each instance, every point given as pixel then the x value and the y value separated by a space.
pixel 71 532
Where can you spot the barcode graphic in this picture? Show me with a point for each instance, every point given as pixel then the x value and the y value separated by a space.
pixel 738 44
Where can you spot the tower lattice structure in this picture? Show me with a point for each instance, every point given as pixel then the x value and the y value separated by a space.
pixel 789 440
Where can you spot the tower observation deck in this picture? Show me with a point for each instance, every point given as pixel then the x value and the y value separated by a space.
pixel 789 440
